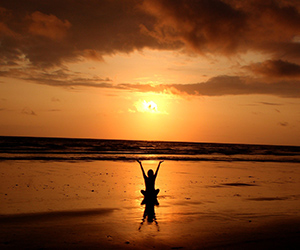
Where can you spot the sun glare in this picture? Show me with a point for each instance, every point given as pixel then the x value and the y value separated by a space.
pixel 144 106
pixel 150 106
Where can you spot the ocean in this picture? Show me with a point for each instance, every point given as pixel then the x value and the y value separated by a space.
pixel 86 193
pixel 67 149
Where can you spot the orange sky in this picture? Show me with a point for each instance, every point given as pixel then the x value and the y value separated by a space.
pixel 205 71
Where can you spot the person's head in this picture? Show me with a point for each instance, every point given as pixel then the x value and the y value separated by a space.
pixel 150 173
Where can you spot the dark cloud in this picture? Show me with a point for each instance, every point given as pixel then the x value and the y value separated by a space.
pixel 203 26
pixel 58 78
pixel 54 99
pixel 225 85
pixel 283 124
pixel 215 86
pixel 54 110
pixel 50 33
pixel 47 34
pixel 28 111
pixel 276 68
pixel 227 27
pixel 270 103
pixel 48 26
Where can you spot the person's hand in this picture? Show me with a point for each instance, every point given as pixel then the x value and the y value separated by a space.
pixel 161 162
pixel 139 161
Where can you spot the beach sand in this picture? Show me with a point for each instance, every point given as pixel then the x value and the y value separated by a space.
pixel 97 205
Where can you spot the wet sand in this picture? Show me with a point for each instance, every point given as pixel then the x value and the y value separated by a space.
pixel 203 205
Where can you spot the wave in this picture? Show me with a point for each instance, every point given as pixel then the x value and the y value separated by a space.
pixel 133 157
pixel 62 149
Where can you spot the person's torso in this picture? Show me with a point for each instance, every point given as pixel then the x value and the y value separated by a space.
pixel 150 183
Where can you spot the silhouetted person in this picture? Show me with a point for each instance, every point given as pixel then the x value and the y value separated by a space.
pixel 150 196
pixel 150 193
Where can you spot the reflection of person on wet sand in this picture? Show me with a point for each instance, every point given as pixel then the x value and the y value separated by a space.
pixel 149 214
pixel 150 193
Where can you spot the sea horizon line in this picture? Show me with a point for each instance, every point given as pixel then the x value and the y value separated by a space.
pixel 147 140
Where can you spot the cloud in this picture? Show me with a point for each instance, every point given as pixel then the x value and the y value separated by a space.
pixel 226 27
pixel 270 103
pixel 4 30
pixel 54 99
pixel 276 68
pixel 28 111
pixel 203 26
pixel 50 33
pixel 283 124
pixel 54 32
pixel 223 86
pixel 215 86
pixel 92 55
pixel 58 78
pixel 38 38
pixel 54 110
pixel 48 26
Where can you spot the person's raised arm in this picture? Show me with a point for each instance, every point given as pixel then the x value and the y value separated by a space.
pixel 158 168
pixel 144 175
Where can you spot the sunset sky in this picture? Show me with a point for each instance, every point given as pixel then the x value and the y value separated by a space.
pixel 180 70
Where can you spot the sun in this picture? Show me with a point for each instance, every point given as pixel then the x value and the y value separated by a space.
pixel 150 106
pixel 146 107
